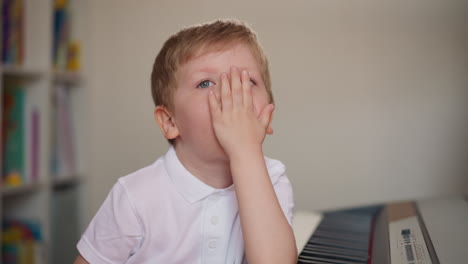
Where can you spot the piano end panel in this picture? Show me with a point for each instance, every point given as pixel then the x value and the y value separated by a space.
pixel 380 240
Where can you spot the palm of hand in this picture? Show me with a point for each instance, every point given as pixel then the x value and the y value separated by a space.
pixel 235 123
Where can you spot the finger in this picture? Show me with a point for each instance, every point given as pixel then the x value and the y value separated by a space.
pixel 236 87
pixel 217 93
pixel 247 90
pixel 214 106
pixel 217 97
pixel 266 115
pixel 226 97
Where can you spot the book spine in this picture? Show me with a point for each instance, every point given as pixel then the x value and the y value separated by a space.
pixel 13 127
pixel 35 136
pixel 12 31
pixel 61 34
pixel 5 29
pixel 63 159
pixel 20 32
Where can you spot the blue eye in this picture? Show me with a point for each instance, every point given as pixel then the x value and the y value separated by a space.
pixel 205 84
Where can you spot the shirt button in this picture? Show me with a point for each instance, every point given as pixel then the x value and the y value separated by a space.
pixel 212 244
pixel 214 220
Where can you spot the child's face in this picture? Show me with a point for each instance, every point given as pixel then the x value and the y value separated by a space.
pixel 194 81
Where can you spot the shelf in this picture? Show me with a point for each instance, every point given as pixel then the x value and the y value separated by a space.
pixel 64 181
pixel 42 113
pixel 19 190
pixel 66 77
pixel 21 71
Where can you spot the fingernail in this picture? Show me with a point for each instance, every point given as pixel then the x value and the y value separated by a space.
pixel 244 72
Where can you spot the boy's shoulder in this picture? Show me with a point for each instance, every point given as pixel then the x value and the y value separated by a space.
pixel 274 164
pixel 150 177
pixel 275 168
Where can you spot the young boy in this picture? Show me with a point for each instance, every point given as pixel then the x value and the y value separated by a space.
pixel 213 197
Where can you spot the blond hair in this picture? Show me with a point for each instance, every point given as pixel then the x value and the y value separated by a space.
pixel 197 40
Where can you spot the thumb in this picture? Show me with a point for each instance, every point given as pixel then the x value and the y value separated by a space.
pixel 266 114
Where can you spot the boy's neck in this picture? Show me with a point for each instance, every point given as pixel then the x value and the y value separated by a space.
pixel 213 173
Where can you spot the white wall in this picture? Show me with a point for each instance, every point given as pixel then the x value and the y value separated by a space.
pixel 371 95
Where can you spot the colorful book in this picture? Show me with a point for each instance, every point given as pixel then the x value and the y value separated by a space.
pixel 61 34
pixel 13 134
pixel 12 31
pixel 35 145
pixel 63 156
pixel 6 20
pixel 21 242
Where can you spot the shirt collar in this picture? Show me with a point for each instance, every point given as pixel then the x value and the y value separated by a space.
pixel 189 186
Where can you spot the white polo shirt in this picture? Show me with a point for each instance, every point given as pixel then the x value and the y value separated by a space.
pixel 164 214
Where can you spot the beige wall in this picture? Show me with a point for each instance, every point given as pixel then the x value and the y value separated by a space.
pixel 371 95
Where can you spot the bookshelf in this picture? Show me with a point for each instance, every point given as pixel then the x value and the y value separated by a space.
pixel 42 111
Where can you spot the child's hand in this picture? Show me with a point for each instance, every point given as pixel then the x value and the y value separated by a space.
pixel 235 122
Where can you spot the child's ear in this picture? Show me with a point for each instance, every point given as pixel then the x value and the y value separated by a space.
pixel 165 121
pixel 270 128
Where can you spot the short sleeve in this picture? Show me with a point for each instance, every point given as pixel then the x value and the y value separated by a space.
pixel 115 232
pixel 284 192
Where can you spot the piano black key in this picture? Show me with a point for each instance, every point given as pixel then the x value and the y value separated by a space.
pixel 337 229
pixel 315 248
pixel 313 261
pixel 328 260
pixel 344 237
pixel 334 255
pixel 354 227
pixel 340 238
pixel 344 244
